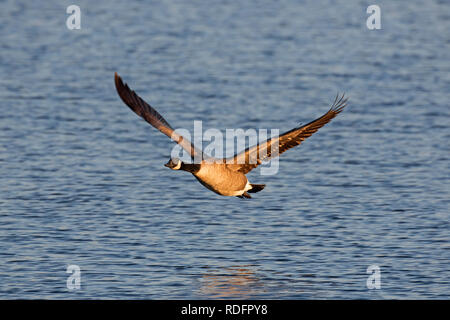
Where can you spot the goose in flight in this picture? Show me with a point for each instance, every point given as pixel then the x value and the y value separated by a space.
pixel 225 176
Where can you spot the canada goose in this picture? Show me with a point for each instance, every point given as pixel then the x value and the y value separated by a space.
pixel 225 176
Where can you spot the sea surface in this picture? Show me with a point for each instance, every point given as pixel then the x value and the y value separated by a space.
pixel 82 180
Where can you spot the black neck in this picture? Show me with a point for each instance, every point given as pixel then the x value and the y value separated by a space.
pixel 190 167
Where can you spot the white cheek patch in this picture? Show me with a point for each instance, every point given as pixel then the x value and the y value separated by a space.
pixel 178 166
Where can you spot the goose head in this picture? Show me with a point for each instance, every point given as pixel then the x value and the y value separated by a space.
pixel 174 164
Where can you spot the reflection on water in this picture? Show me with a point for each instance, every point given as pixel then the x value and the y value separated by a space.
pixel 231 282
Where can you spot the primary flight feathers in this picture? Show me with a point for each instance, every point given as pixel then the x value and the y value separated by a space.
pixel 253 156
pixel 149 114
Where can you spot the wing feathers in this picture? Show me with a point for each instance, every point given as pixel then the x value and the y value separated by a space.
pixel 244 161
pixel 253 156
pixel 144 110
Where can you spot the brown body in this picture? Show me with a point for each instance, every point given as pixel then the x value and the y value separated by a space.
pixel 220 179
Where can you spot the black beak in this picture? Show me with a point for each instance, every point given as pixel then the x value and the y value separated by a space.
pixel 168 165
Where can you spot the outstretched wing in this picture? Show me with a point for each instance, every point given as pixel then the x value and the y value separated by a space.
pixel 144 110
pixel 253 156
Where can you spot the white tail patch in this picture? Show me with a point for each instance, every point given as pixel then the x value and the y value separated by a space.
pixel 247 187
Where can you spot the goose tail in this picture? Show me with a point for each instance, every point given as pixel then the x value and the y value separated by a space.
pixel 256 188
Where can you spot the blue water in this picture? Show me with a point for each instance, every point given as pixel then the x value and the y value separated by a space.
pixel 82 180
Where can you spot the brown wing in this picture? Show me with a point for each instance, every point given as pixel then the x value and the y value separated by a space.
pixel 144 110
pixel 252 157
